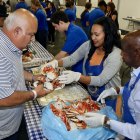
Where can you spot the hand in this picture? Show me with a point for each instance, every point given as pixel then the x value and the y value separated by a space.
pixel 92 119
pixel 53 63
pixel 106 93
pixel 68 77
pixel 41 78
pixel 41 91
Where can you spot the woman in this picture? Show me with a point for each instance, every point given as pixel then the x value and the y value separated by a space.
pixel 84 18
pixel 112 13
pixel 42 32
pixel 102 60
pixel 49 11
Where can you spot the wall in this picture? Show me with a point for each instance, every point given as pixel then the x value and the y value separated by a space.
pixel 128 8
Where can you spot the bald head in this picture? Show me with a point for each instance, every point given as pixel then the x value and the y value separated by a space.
pixel 19 18
pixel 20 26
pixel 132 39
pixel 131 49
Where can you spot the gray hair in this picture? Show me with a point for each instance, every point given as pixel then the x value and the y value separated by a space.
pixel 14 19
pixel 10 21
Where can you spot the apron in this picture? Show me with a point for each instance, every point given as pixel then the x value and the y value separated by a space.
pixel 127 117
pixel 96 91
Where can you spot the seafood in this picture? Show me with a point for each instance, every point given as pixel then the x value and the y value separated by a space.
pixel 27 57
pixel 68 113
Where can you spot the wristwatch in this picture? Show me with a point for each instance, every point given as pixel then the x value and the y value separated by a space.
pixel 107 122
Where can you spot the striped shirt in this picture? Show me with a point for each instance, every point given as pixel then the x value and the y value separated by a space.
pixel 11 79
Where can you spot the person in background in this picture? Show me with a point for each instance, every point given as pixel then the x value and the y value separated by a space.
pixel 21 4
pixel 84 18
pixel 94 15
pixel 69 11
pixel 8 6
pixel 112 13
pixel 43 3
pixel 56 4
pixel 3 15
pixel 17 32
pixel 103 6
pixel 75 37
pixel 130 127
pixel 3 6
pixel 51 35
pixel 102 60
pixel 73 6
pixel 42 31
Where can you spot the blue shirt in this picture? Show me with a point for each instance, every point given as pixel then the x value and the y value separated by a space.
pixel 50 12
pixel 71 15
pixel 75 37
pixel 85 19
pixel 21 5
pixel 42 22
pixel 94 15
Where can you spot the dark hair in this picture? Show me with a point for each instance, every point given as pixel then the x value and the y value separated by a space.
pixel 68 4
pixel 112 37
pixel 59 16
pixel 112 6
pixel 87 7
pixel 102 3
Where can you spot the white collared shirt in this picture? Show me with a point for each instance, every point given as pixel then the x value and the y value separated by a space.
pixel 131 131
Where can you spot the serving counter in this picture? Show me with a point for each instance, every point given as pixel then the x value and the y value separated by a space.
pixel 33 109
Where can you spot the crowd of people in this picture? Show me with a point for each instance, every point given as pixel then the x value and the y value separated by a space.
pixel 94 54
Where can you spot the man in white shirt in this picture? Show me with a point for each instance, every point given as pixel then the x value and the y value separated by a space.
pixel 130 128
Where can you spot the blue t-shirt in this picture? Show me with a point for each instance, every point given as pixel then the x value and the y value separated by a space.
pixel 94 15
pixel 42 22
pixel 21 5
pixel 71 15
pixel 75 37
pixel 50 12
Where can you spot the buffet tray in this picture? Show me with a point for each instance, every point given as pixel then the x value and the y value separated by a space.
pixel 68 93
pixel 35 62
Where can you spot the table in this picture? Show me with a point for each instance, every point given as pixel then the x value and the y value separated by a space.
pixel 32 111
pixel 132 21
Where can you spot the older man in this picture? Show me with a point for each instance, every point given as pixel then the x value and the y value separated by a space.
pixel 130 128
pixel 18 30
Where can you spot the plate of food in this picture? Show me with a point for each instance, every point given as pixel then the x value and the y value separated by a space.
pixel 51 85
pixel 27 56
pixel 51 82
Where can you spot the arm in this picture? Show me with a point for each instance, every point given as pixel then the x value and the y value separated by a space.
pixel 77 55
pixel 61 55
pixel 20 97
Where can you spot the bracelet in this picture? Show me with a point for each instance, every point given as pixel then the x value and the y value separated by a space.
pixel 35 94
pixel 107 123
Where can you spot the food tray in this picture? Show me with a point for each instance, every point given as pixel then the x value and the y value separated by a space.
pixel 70 92
pixel 35 62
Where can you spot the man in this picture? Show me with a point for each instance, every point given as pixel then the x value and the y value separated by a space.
pixel 75 37
pixel 130 94
pixel 69 11
pixel 21 4
pixel 103 6
pixel 3 15
pixel 18 30
pixel 94 15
